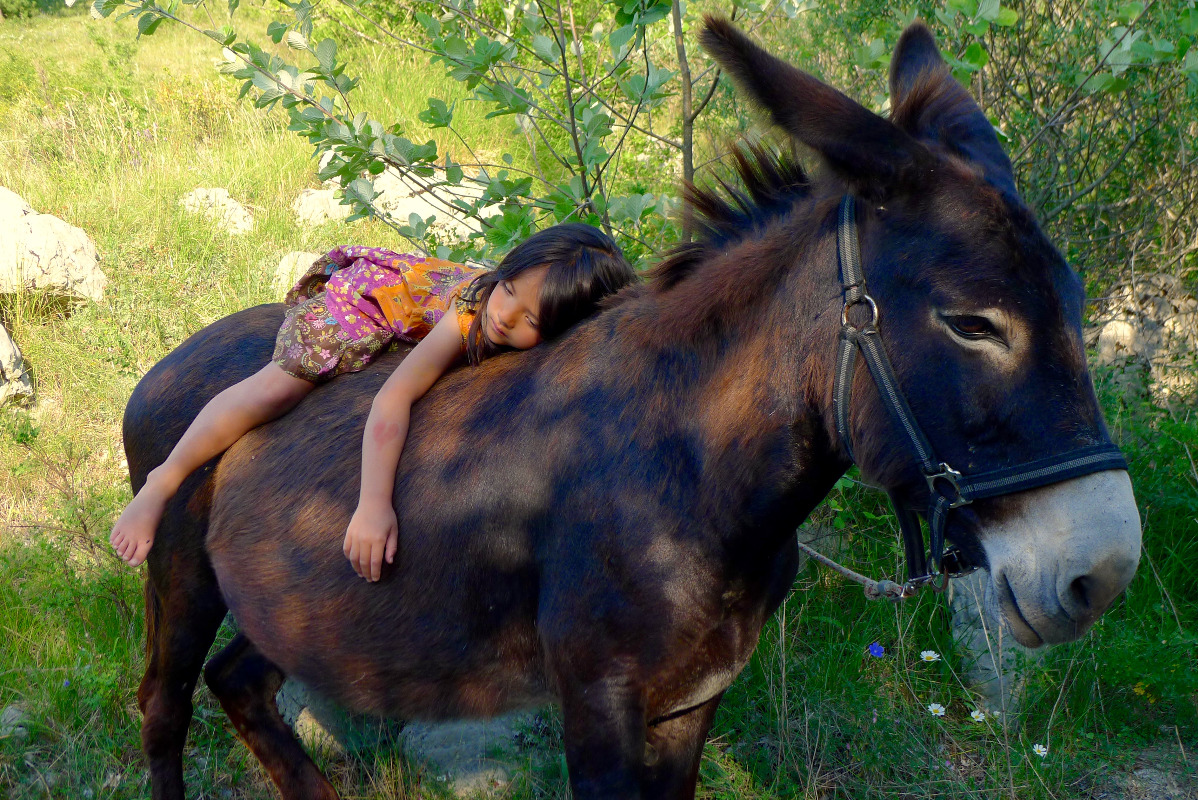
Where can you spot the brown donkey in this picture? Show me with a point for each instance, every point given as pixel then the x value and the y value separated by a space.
pixel 607 521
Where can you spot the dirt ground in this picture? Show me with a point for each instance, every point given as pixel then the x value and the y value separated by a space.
pixel 1159 773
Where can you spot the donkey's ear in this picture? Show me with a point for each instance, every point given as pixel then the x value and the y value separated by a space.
pixel 873 155
pixel 928 103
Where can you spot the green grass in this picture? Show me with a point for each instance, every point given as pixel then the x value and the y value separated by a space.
pixel 109 132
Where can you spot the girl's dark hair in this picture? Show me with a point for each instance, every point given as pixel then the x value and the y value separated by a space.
pixel 584 266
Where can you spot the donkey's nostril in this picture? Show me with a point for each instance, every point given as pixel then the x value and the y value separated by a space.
pixel 1079 592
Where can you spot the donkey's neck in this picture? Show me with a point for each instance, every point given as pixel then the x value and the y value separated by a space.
pixel 750 334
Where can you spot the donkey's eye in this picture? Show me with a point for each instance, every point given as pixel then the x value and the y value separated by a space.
pixel 969 326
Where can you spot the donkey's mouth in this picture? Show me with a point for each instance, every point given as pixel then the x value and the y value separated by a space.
pixel 1023 631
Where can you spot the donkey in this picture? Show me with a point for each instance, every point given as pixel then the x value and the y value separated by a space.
pixel 607 521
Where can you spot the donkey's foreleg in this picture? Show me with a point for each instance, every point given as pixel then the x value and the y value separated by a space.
pixel 673 752
pixel 183 612
pixel 245 683
pixel 604 721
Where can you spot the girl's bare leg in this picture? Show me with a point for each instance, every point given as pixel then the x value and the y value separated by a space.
pixel 267 394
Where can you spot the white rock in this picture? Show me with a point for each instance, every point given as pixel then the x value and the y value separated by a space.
pixel 401 195
pixel 216 204
pixel 12 722
pixel 318 206
pixel 1148 332
pixel 15 385
pixel 291 267
pixel 13 205
pixel 41 251
pixel 1116 340
pixel 474 756
pixel 324 725
pixel 993 662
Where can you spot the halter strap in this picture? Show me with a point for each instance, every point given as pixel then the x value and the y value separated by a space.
pixel 947 488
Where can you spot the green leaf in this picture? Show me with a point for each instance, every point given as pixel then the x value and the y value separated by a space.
pixel 1128 12
pixel 262 81
pixel 1096 84
pixel 967 7
pixel 1190 64
pixel 148 23
pixel 977 28
pixel 976 56
pixel 233 6
pixel 433 26
pixel 326 54
pixel 437 115
pixel 546 49
pixel 1007 17
pixel 276 31
pixel 620 37
pixel 1189 21
pixel 989 10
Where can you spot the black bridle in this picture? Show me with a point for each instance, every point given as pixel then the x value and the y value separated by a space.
pixel 947 488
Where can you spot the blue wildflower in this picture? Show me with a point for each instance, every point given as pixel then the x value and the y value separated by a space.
pixel 876 650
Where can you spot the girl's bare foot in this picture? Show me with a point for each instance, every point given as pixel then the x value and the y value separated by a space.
pixel 133 535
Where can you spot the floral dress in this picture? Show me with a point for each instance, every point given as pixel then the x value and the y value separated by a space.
pixel 354 302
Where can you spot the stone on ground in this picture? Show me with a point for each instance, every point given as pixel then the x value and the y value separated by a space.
pixel 15 385
pixel 324 725
pixel 216 204
pixel 401 196
pixel 41 251
pixel 471 756
pixel 318 206
pixel 12 722
pixel 992 661
pixel 1148 332
pixel 291 267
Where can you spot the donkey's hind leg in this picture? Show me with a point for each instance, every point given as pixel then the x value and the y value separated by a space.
pixel 245 682
pixel 183 613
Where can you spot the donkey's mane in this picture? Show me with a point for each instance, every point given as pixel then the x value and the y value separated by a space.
pixel 723 213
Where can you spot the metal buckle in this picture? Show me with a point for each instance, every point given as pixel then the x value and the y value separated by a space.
pixel 953 564
pixel 873 313
pixel 950 475
pixel 938 581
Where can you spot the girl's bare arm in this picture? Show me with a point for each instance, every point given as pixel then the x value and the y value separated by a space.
pixel 373 533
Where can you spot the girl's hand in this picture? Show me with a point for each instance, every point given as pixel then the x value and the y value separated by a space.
pixel 373 535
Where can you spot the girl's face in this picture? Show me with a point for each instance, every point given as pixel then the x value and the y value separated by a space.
pixel 511 314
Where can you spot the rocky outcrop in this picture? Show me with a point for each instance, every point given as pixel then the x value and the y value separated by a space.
pixel 470 756
pixel 318 206
pixel 1147 333
pixel 42 252
pixel 291 267
pixel 992 662
pixel 15 386
pixel 399 197
pixel 216 204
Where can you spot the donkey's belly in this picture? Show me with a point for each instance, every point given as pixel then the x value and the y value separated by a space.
pixel 443 634
pixel 379 648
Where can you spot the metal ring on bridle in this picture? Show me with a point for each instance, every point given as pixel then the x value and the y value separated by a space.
pixel 873 312
pixel 951 477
